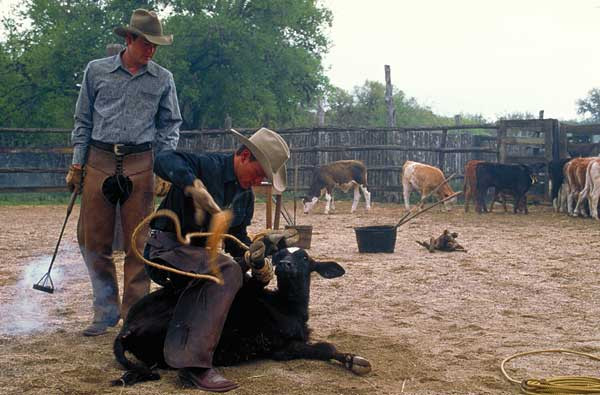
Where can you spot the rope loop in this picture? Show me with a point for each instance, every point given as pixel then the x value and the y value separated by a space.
pixel 558 384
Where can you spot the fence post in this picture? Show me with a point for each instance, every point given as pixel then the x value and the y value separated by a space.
pixel 228 122
pixel 389 98
pixel 442 153
pixel 477 142
pixel 561 137
pixel 320 113
pixel 502 146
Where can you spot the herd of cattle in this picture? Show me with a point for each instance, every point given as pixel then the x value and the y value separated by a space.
pixel 575 184
pixel 507 180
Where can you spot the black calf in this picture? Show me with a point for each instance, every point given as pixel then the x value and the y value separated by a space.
pixel 262 323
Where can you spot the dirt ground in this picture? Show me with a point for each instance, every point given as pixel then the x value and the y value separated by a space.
pixel 430 323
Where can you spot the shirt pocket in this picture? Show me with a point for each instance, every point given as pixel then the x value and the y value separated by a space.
pixel 149 99
pixel 109 96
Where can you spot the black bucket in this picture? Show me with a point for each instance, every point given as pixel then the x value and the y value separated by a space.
pixel 380 238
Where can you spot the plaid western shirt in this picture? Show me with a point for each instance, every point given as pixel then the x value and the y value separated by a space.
pixel 117 107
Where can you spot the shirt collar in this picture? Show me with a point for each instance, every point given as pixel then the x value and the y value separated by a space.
pixel 151 67
pixel 117 62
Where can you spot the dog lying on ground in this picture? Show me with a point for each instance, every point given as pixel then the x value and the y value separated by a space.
pixel 446 242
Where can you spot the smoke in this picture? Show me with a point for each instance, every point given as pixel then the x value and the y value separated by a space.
pixel 24 310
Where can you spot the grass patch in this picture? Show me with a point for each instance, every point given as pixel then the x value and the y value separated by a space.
pixel 34 198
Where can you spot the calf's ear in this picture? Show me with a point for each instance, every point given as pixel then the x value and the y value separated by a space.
pixel 328 269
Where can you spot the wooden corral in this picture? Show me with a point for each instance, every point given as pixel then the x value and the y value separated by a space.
pixel 28 163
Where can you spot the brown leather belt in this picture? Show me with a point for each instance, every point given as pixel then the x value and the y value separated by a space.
pixel 121 149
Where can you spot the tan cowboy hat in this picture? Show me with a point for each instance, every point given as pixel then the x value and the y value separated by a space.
pixel 146 24
pixel 271 151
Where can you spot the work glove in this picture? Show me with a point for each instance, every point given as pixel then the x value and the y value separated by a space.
pixel 74 178
pixel 266 245
pixel 203 201
pixel 161 187
pixel 261 266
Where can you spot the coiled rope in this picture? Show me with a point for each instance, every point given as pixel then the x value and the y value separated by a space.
pixel 218 226
pixel 558 384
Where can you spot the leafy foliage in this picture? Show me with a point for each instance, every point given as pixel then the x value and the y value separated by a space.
pixel 257 60
pixel 590 105
pixel 366 106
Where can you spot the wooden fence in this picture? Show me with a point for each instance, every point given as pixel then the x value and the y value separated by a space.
pixel 28 163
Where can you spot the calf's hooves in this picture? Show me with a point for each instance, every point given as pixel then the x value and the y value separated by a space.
pixel 357 364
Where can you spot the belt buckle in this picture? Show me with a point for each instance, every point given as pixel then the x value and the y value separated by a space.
pixel 116 149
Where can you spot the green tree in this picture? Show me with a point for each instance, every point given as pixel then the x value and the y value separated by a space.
pixel 366 106
pixel 590 105
pixel 258 61
pixel 43 63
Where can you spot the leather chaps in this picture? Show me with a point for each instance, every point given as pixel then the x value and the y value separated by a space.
pixel 108 179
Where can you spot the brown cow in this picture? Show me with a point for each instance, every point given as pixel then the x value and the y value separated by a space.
pixel 591 191
pixel 424 179
pixel 575 171
pixel 470 185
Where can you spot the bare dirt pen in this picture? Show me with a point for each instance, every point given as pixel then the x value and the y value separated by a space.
pixel 436 323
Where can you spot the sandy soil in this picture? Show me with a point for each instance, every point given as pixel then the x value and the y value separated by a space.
pixel 436 323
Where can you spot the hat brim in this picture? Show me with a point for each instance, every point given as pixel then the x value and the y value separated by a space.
pixel 279 178
pixel 158 40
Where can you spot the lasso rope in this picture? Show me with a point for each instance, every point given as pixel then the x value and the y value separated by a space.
pixel 558 384
pixel 218 226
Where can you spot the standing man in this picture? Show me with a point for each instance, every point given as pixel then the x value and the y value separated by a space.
pixel 127 110
pixel 203 184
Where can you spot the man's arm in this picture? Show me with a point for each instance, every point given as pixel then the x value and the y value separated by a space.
pixel 82 132
pixel 168 119
pixel 177 168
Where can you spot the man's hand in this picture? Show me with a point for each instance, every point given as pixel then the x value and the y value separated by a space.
pixel 262 269
pixel 203 201
pixel 255 257
pixel 74 178
pixel 161 187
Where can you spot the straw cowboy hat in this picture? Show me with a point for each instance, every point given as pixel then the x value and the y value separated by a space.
pixel 271 151
pixel 146 24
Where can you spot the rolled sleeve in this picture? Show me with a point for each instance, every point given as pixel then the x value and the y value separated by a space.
pixel 82 132
pixel 168 119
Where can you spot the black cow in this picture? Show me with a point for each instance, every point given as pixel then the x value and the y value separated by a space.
pixel 557 176
pixel 513 179
pixel 262 323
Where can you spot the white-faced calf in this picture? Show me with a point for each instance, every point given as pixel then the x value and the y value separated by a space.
pixel 343 175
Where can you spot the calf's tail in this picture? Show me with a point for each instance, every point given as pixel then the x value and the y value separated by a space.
pixel 135 373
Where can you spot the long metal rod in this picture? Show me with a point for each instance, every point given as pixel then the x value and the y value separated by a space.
pixel 400 223
pixel 69 209
pixel 422 201
pixel 284 212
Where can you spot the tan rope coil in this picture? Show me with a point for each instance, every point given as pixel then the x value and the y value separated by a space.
pixel 218 226
pixel 558 384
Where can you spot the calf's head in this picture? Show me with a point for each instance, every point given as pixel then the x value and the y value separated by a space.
pixel 293 267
